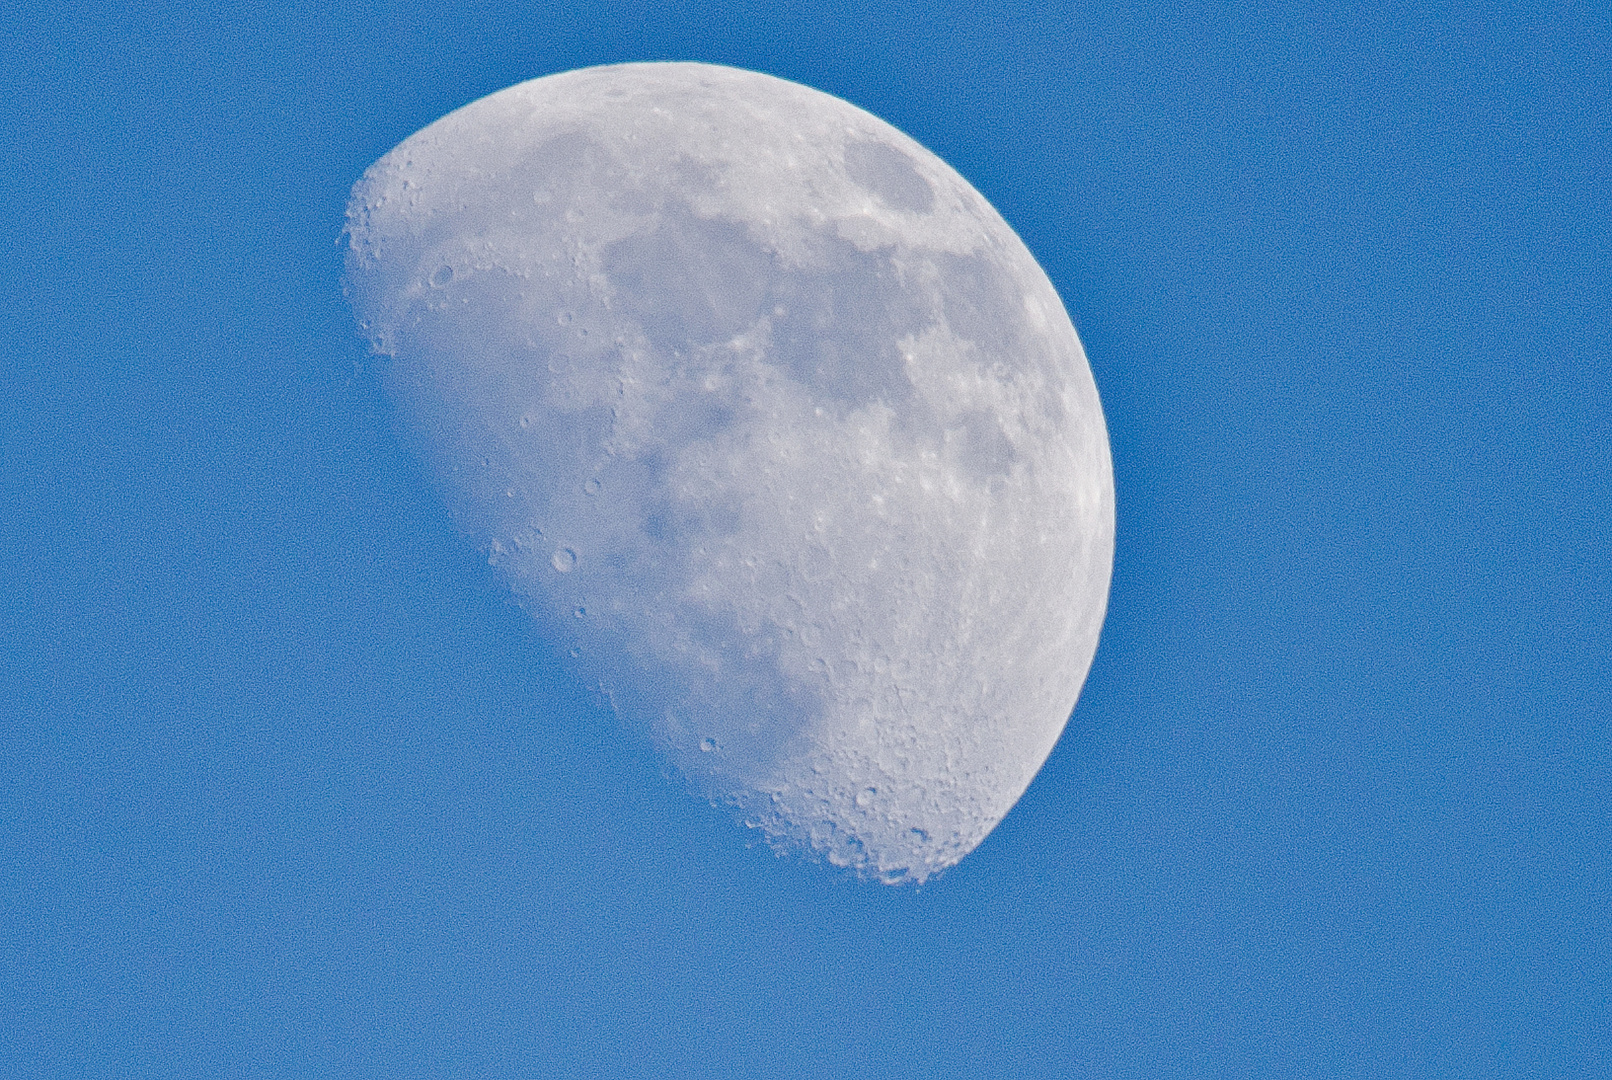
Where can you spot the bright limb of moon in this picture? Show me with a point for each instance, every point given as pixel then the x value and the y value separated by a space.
pixel 767 416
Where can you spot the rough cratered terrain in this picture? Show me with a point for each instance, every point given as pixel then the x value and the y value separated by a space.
pixel 766 414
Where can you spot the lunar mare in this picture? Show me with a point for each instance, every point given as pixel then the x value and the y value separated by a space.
pixel 771 421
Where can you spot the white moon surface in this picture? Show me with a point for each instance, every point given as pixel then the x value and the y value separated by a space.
pixel 772 422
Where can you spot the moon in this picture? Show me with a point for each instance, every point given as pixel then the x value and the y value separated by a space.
pixel 771 423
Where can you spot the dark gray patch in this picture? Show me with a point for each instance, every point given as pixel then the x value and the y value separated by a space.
pixel 981 305
pixel 982 446
pixel 532 184
pixel 841 326
pixel 691 174
pixel 677 523
pixel 704 521
pixel 890 175
pixel 689 281
pixel 741 698
pixel 633 201
pixel 658 524
pixel 565 152
pixel 699 416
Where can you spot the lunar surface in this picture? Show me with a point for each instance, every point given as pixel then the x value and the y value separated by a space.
pixel 771 422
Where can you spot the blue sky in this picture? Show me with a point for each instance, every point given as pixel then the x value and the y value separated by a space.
pixel 287 788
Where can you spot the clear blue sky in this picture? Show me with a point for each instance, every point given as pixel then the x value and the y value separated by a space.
pixel 288 789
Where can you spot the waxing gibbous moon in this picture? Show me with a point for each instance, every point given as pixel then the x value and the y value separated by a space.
pixel 771 422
